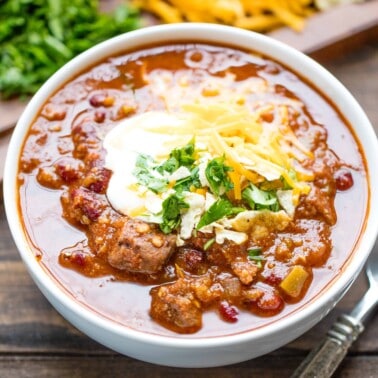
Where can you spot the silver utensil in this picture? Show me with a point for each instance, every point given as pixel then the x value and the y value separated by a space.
pixel 324 359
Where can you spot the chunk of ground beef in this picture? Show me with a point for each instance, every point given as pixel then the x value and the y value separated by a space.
pixel 175 306
pixel 82 205
pixel 234 256
pixel 317 203
pixel 141 248
pixel 244 270
pixel 311 246
pixel 191 260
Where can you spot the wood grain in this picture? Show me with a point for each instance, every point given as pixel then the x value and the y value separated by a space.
pixel 338 26
pixel 10 111
pixel 35 341
pixel 121 367
pixel 4 142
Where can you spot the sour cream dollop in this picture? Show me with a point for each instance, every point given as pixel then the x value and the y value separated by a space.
pixel 140 134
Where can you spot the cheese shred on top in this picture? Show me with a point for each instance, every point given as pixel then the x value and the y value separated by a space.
pixel 255 150
pixel 256 154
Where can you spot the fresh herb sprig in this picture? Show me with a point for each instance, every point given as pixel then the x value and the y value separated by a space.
pixel 216 174
pixel 258 199
pixel 153 175
pixel 221 208
pixel 38 36
pixel 254 254
pixel 144 172
pixel 171 212
pixel 183 156
pixel 187 183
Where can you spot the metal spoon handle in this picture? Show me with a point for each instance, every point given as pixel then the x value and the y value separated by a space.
pixel 324 360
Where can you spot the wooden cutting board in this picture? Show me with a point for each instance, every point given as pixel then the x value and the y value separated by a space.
pixel 327 35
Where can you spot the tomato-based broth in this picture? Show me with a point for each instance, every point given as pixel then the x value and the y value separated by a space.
pixel 193 189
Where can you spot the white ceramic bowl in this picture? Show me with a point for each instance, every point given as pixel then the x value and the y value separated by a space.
pixel 202 351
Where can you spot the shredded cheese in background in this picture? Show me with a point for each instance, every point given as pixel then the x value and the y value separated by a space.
pixel 257 15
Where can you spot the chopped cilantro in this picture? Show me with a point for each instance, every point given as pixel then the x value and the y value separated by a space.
pixel 171 212
pixel 178 157
pixel 144 161
pixel 144 168
pixel 208 244
pixel 255 255
pixel 218 210
pixel 184 155
pixel 258 199
pixel 169 166
pixel 39 36
pixel 216 174
pixel 187 182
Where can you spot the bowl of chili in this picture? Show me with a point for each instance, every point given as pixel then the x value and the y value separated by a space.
pixel 208 189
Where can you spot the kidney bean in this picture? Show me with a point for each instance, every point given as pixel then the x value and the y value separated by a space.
pixel 190 259
pixel 99 99
pixel 344 179
pixel 270 302
pixel 78 258
pixel 101 177
pixel 273 279
pixel 99 116
pixel 87 202
pixel 193 258
pixel 228 312
pixel 68 169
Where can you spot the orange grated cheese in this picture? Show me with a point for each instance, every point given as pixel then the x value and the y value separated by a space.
pixel 254 150
pixel 236 180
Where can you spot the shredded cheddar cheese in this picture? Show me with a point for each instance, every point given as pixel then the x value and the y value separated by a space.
pixel 254 151
pixel 258 15
pixel 236 180
pixel 236 158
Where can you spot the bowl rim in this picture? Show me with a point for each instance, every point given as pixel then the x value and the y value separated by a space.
pixel 191 32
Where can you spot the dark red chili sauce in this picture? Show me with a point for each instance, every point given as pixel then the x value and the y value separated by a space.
pixel 198 289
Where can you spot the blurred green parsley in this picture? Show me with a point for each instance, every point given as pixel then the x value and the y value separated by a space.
pixel 39 36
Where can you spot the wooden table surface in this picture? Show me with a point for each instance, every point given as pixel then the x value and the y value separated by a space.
pixel 35 341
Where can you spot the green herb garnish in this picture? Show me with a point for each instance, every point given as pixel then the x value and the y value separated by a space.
pixel 255 255
pixel 169 166
pixel 219 209
pixel 171 212
pixel 216 174
pixel 184 155
pixel 208 244
pixel 144 172
pixel 178 157
pixel 258 199
pixel 186 183
pixel 38 36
